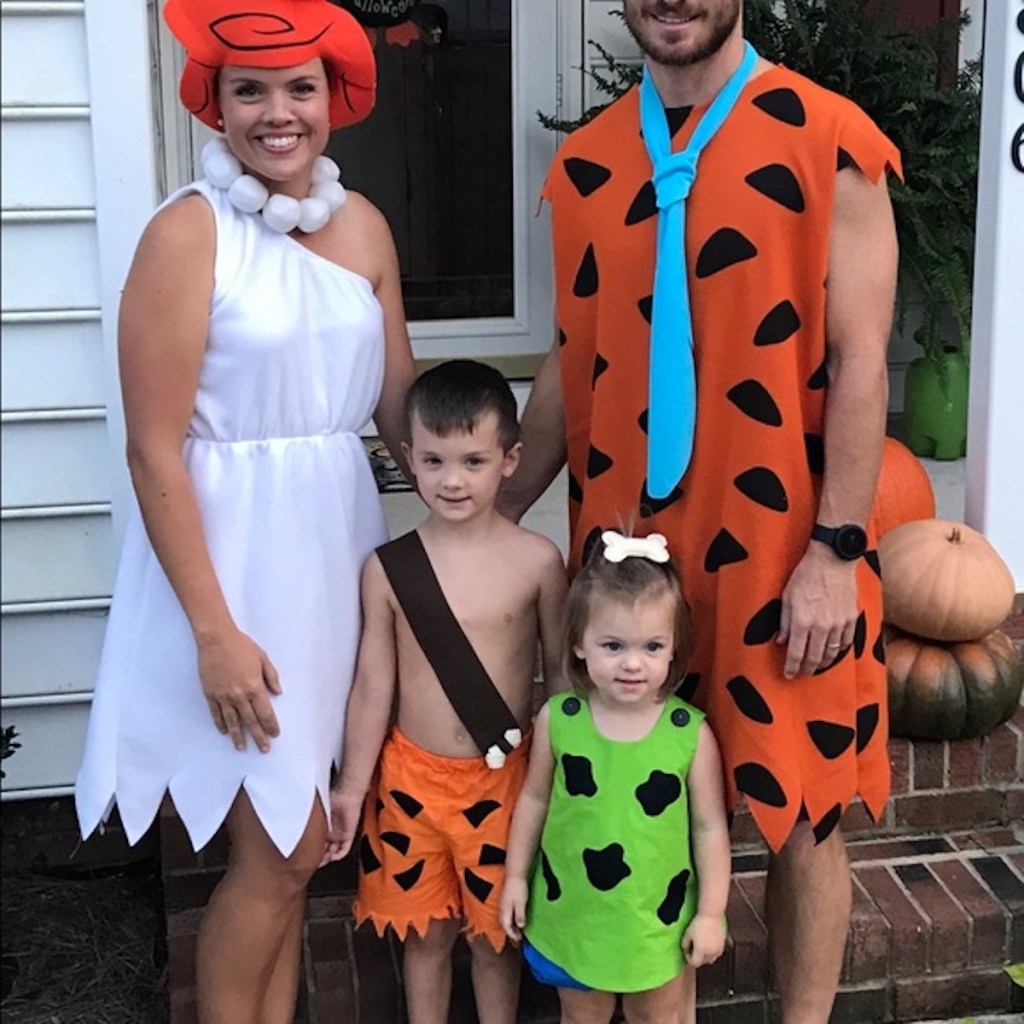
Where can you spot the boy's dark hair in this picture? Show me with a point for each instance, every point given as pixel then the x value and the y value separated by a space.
pixel 452 396
pixel 631 580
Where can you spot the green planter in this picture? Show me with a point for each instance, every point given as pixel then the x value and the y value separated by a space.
pixel 935 406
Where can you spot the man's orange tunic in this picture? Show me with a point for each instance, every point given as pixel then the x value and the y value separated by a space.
pixel 758 221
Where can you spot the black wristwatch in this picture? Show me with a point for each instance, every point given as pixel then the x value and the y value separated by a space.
pixel 848 541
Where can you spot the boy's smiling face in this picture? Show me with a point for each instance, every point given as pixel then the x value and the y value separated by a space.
pixel 458 476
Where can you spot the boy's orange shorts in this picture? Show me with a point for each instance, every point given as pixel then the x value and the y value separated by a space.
pixel 434 836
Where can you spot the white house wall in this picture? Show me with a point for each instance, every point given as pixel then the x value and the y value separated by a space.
pixel 77 184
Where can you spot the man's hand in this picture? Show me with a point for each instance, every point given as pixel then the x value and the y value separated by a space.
pixel 704 940
pixel 819 611
pixel 512 909
pixel 343 826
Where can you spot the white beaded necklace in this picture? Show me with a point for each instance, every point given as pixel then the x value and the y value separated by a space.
pixel 280 212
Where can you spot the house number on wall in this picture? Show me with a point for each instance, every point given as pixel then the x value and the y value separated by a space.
pixel 1017 145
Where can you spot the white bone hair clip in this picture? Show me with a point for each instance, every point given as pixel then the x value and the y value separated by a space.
pixel 653 547
pixel 495 756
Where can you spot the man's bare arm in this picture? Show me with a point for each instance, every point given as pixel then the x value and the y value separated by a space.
pixel 820 600
pixel 551 619
pixel 543 437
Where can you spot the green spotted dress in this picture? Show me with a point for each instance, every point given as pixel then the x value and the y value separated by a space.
pixel 613 888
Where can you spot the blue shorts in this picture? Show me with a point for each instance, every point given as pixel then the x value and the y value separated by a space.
pixel 548 973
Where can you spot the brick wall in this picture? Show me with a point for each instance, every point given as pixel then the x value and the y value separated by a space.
pixel 918 910
pixel 912 924
pixel 939 787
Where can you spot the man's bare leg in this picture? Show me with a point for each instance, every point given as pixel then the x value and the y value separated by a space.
pixel 248 925
pixel 495 981
pixel 808 911
pixel 427 968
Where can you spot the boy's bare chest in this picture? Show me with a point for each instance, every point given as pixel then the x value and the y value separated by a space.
pixel 487 605
pixel 486 597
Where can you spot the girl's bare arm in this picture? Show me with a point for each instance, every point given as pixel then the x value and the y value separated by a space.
pixel 525 830
pixel 709 838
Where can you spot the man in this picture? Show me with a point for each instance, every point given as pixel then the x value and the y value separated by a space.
pixel 790 258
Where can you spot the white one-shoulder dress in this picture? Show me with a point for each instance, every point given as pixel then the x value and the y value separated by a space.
pixel 292 371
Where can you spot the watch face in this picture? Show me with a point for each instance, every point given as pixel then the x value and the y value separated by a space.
pixel 851 541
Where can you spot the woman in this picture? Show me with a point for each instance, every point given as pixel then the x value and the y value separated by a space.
pixel 261 326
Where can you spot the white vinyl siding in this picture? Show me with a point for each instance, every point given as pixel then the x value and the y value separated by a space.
pixel 61 472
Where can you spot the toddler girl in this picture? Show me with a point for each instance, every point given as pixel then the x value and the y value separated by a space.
pixel 623 806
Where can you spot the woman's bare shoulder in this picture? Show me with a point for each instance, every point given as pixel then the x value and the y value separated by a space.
pixel 364 217
pixel 185 224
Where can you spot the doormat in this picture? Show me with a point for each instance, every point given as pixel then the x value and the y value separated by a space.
pixel 385 470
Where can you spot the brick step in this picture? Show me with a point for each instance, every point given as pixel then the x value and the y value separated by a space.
pixel 976 783
pixel 935 920
pixel 970 788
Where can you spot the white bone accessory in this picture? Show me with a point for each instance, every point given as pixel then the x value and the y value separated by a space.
pixel 653 547
pixel 280 212
pixel 495 756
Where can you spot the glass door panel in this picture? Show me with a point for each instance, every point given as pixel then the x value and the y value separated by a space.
pixel 436 156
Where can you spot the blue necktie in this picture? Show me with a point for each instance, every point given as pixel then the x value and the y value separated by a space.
pixel 673 387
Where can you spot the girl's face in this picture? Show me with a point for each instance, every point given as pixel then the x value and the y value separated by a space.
pixel 277 121
pixel 627 648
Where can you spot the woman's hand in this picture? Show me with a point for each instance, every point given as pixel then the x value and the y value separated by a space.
pixel 342 826
pixel 512 909
pixel 237 677
pixel 704 941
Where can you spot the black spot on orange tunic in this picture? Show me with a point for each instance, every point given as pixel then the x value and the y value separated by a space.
pixel 758 223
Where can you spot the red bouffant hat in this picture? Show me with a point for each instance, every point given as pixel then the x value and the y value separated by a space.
pixel 272 34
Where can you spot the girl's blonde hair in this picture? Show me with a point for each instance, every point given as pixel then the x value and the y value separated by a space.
pixel 631 580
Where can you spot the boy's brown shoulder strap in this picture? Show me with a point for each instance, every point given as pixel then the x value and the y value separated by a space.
pixel 463 678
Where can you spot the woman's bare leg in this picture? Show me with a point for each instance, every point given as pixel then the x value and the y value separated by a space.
pixel 283 987
pixel 248 935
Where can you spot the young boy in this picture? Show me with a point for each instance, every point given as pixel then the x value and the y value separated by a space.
pixel 433 850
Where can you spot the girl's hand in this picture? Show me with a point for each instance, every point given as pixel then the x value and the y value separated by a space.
pixel 704 941
pixel 512 908
pixel 343 825
pixel 237 676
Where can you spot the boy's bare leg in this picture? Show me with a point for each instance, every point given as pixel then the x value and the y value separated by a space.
pixel 495 981
pixel 808 912
pixel 248 933
pixel 585 1007
pixel 655 1006
pixel 688 996
pixel 427 968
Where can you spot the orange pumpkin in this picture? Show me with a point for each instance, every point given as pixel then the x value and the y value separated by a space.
pixel 904 491
pixel 943 581
pixel 951 691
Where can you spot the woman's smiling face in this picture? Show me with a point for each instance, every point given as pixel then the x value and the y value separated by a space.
pixel 276 120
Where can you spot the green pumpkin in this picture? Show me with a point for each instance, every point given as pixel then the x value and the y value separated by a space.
pixel 951 691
